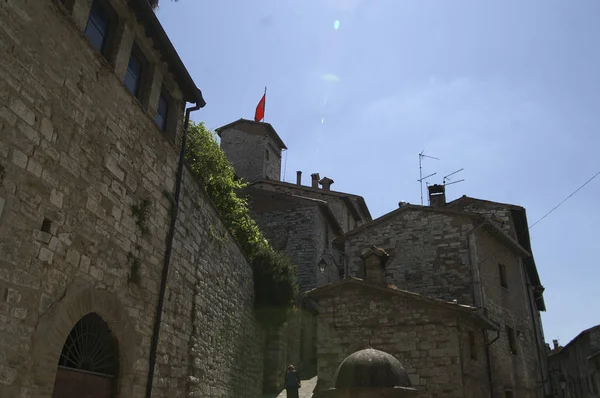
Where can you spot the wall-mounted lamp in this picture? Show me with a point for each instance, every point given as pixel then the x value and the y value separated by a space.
pixel 322 265
pixel 562 382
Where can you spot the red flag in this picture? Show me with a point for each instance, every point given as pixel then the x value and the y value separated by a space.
pixel 260 109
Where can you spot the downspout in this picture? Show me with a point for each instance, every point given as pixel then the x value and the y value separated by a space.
pixel 530 295
pixel 200 103
pixel 478 298
pixel 489 358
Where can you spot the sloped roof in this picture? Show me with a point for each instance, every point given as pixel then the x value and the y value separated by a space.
pixel 346 197
pixel 521 225
pixel 291 199
pixel 489 225
pixel 270 130
pixel 332 288
pixel 146 16
pixel 579 336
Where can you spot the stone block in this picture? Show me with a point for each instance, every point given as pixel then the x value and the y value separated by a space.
pixel 22 110
pixel 73 257
pixel 41 236
pixel 113 166
pixel 56 198
pixel 2 202
pixel 34 167
pixel 46 255
pixel 19 158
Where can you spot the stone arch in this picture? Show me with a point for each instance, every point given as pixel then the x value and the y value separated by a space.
pixel 55 325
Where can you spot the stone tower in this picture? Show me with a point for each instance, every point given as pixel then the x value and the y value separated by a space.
pixel 253 148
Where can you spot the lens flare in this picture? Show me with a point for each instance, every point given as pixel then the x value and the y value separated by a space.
pixel 336 24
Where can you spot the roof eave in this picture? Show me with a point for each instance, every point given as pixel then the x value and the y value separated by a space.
pixel 154 29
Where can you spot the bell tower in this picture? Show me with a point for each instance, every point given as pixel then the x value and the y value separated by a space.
pixel 253 148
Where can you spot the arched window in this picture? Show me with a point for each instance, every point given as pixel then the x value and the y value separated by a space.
pixel 89 361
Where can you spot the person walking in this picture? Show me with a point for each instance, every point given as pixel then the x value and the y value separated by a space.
pixel 292 382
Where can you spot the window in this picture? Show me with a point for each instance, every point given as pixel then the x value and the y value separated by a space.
pixel 512 341
pixel 503 280
pixel 508 394
pixel 472 346
pixel 267 154
pixel 162 112
pixel 135 69
pixel 97 26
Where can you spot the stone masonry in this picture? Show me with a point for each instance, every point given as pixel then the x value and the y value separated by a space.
pixel 454 255
pixel 426 336
pixel 577 364
pixel 77 151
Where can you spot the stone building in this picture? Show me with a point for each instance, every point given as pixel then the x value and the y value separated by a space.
pixel 466 259
pixel 302 221
pixel 576 366
pixel 102 293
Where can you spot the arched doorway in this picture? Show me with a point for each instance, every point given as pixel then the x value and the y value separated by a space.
pixel 89 362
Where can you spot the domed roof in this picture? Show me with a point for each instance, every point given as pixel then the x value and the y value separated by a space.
pixel 371 368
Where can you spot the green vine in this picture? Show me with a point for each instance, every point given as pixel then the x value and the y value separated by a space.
pixel 141 213
pixel 275 284
pixel 134 276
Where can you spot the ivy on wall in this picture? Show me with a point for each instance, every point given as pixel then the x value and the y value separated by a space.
pixel 274 275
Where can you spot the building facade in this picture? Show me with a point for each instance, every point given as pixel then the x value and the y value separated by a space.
pixel 575 368
pixel 92 98
pixel 464 257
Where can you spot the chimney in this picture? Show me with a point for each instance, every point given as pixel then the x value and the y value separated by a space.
pixel 315 180
pixel 326 183
pixel 298 177
pixel 374 259
pixel 437 195
pixel 556 346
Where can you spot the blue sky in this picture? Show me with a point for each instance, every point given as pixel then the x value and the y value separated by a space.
pixel 507 90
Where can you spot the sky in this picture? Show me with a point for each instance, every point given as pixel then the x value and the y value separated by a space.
pixel 507 90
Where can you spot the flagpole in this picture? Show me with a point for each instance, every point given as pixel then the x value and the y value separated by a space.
pixel 265 106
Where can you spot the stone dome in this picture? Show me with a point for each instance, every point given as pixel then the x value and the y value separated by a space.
pixel 371 368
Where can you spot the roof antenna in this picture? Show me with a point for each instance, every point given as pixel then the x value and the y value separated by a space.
pixel 447 178
pixel 421 178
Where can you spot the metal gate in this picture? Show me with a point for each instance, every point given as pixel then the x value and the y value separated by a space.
pixel 88 365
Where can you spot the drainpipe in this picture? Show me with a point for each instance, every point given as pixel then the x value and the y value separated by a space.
pixel 479 299
pixel 200 103
pixel 489 358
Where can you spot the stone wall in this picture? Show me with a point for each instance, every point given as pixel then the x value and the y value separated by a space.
pixel 427 339
pixel 578 362
pixel 293 232
pixel 246 153
pixel 78 151
pixel 335 201
pixel 508 307
pixel 429 253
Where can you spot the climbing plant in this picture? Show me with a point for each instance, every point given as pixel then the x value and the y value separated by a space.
pixel 274 274
pixel 141 213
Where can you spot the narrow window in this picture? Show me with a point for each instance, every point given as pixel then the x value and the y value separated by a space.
pixel 162 112
pixel 133 78
pixel 97 26
pixel 472 346
pixel 508 394
pixel 267 154
pixel 512 341
pixel 503 280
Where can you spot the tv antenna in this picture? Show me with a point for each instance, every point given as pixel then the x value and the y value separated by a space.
pixel 447 178
pixel 421 178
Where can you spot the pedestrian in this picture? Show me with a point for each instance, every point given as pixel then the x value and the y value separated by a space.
pixel 292 382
